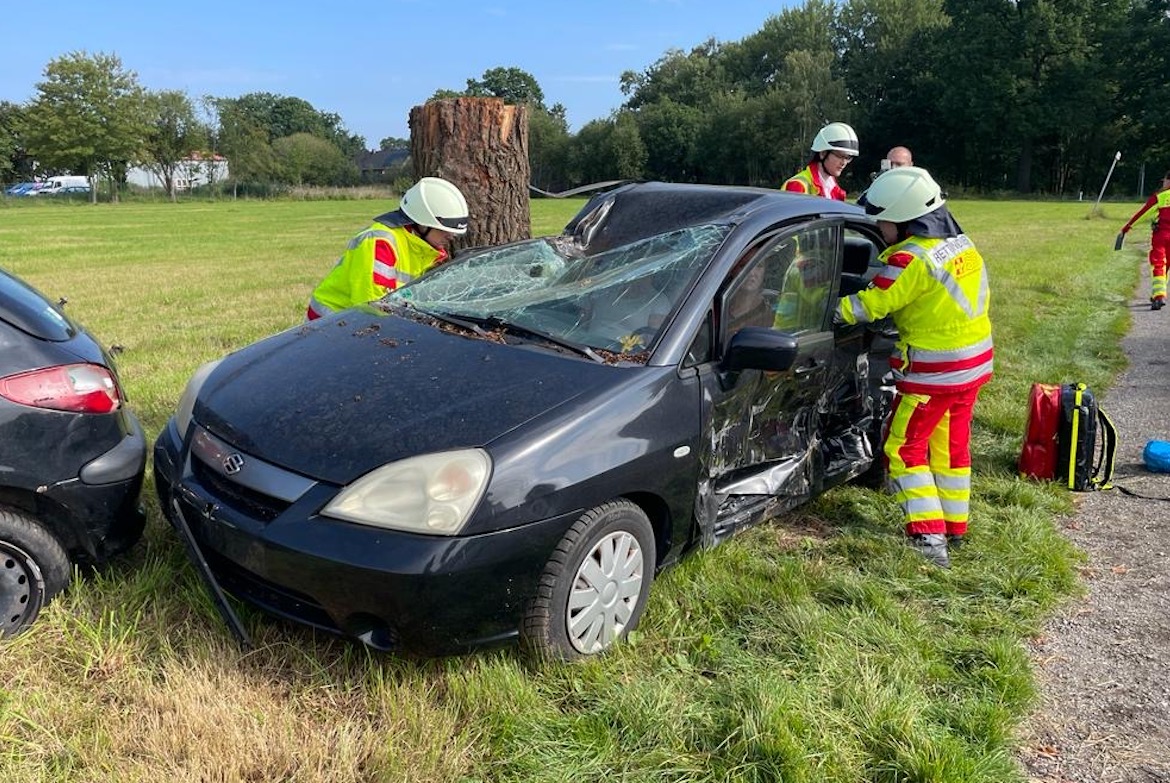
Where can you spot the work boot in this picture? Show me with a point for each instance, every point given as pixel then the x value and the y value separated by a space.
pixel 954 542
pixel 1157 303
pixel 932 546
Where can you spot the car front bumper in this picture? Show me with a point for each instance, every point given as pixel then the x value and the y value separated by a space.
pixel 390 589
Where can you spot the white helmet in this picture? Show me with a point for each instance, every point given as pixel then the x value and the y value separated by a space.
pixel 836 137
pixel 902 194
pixel 436 203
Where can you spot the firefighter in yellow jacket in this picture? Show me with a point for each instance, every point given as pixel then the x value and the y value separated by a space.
pixel 1159 241
pixel 396 248
pixel 933 283
pixel 833 148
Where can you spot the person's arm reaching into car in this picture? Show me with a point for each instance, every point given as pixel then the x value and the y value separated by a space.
pixel 898 283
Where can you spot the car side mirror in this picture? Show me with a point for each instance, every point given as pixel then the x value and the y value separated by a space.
pixel 859 256
pixel 760 348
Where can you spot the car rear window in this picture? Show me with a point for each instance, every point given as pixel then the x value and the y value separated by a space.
pixel 28 310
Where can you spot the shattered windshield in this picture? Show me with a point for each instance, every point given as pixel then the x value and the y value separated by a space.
pixel 618 301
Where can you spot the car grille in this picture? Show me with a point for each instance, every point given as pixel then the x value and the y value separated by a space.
pixel 244 500
pixel 244 483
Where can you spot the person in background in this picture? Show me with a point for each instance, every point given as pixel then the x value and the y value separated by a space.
pixel 1159 241
pixel 897 157
pixel 396 248
pixel 934 285
pixel 833 148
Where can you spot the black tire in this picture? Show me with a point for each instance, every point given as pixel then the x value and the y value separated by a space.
pixel 611 590
pixel 34 567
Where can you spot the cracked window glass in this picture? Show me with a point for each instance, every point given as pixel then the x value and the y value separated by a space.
pixel 618 301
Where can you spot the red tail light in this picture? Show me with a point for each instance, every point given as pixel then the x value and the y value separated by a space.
pixel 85 388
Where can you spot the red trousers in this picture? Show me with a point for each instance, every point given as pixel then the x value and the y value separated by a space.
pixel 928 453
pixel 1159 249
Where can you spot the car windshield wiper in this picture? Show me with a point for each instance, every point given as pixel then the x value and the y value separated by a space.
pixel 462 323
pixel 495 322
pixel 477 325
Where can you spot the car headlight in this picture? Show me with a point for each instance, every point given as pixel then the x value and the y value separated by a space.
pixel 186 406
pixel 433 493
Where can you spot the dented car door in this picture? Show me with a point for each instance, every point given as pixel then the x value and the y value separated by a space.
pixel 766 426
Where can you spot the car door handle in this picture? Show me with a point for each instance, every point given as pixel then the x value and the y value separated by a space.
pixel 808 369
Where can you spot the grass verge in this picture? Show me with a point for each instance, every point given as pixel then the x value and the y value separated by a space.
pixel 813 649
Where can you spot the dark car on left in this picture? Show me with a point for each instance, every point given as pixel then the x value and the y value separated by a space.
pixel 72 455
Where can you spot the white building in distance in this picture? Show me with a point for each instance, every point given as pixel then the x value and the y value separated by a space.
pixel 196 170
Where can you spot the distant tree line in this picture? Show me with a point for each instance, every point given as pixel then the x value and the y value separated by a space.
pixel 1025 96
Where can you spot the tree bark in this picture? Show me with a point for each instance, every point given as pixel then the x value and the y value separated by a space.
pixel 481 145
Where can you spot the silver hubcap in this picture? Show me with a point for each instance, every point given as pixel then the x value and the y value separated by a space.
pixel 21 588
pixel 605 592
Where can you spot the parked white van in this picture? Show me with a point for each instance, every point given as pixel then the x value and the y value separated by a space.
pixel 64 183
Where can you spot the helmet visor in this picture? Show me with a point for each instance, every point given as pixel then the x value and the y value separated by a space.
pixel 452 223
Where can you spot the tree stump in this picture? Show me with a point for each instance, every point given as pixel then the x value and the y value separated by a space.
pixel 481 145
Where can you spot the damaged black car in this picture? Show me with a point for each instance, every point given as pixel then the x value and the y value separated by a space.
pixel 72 454
pixel 514 445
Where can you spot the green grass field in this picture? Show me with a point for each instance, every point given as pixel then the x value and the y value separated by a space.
pixel 814 649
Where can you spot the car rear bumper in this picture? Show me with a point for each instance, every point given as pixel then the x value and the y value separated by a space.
pixel 392 590
pixel 124 462
pixel 102 504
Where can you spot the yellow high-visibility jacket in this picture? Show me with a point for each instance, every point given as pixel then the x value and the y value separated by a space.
pixel 1161 200
pixel 801 304
pixel 377 260
pixel 808 180
pixel 937 293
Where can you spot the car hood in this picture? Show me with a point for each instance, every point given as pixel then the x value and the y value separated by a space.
pixel 335 399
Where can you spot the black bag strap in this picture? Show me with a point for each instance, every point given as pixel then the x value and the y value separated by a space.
pixel 1131 493
pixel 1107 454
pixel 1107 462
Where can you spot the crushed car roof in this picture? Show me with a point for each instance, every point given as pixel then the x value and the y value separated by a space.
pixel 639 210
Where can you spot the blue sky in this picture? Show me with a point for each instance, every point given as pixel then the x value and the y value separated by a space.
pixel 369 62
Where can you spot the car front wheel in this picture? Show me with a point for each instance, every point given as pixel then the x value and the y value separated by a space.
pixel 594 588
pixel 33 568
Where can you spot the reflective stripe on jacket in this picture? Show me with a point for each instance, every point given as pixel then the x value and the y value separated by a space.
pixel 808 180
pixel 376 261
pixel 937 292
